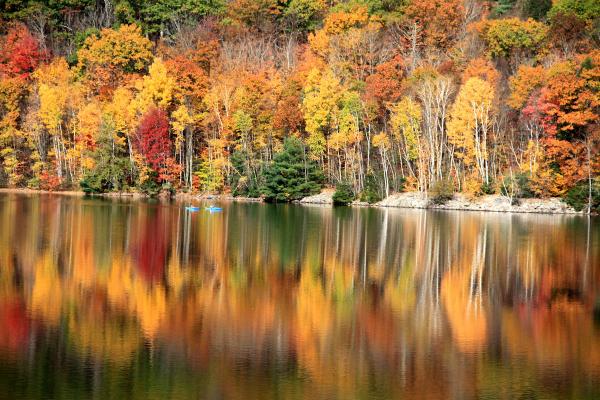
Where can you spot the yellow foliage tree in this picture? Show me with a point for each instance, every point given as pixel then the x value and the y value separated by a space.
pixel 155 89
pixel 405 120
pixel 125 49
pixel 320 105
pixel 54 90
pixel 470 125
pixel 120 113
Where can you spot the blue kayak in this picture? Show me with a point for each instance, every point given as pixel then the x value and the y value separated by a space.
pixel 213 209
pixel 192 208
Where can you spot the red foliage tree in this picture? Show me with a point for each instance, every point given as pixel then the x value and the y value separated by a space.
pixel 153 140
pixel 288 114
pixel 386 84
pixel 192 79
pixel 439 20
pixel 20 52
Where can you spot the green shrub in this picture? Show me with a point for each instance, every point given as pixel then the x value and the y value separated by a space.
pixel 518 186
pixel 536 9
pixel 398 184
pixel 150 186
pixel 488 188
pixel 503 7
pixel 344 194
pixel 33 183
pixel 292 175
pixel 109 174
pixel 578 196
pixel 441 191
pixel 372 190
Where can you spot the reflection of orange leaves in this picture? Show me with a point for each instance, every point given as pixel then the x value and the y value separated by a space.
pixel 46 283
pixel 556 336
pixel 381 330
pixel 84 272
pixel 143 300
pixel 465 314
pixel 113 338
pixel 313 325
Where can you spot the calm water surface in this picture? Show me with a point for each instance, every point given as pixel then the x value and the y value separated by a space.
pixel 105 299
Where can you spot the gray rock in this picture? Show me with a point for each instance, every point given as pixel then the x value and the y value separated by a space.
pixel 325 197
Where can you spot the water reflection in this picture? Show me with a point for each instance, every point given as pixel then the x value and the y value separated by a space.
pixel 114 299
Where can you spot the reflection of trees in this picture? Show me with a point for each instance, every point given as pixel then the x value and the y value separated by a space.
pixel 149 244
pixel 347 299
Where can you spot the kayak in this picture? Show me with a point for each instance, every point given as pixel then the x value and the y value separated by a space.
pixel 192 208
pixel 213 209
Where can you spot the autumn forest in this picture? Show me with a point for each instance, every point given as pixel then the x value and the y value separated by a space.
pixel 379 96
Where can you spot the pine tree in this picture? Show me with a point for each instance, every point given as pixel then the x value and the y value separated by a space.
pixel 292 175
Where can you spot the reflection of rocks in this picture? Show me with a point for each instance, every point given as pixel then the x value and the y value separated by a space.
pixel 215 197
pixel 243 199
pixel 325 197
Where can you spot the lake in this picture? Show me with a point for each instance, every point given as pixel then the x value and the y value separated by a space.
pixel 119 299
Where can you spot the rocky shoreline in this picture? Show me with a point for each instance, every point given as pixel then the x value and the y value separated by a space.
pixel 416 200
pixel 492 203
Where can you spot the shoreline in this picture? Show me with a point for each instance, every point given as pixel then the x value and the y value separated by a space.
pixel 460 202
pixel 406 200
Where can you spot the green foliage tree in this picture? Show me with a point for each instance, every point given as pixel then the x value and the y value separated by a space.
pixel 578 197
pixel 512 38
pixel 344 194
pixel 536 9
pixel 518 186
pixel 583 9
pixel 112 169
pixel 503 6
pixel 242 181
pixel 441 191
pixel 292 175
pixel 372 192
pixel 304 14
pixel 384 8
pixel 156 15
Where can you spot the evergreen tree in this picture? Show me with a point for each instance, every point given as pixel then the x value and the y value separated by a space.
pixel 112 169
pixel 344 194
pixel 372 190
pixel 292 175
pixel 242 181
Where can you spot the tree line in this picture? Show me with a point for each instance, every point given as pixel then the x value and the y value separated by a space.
pixel 279 97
